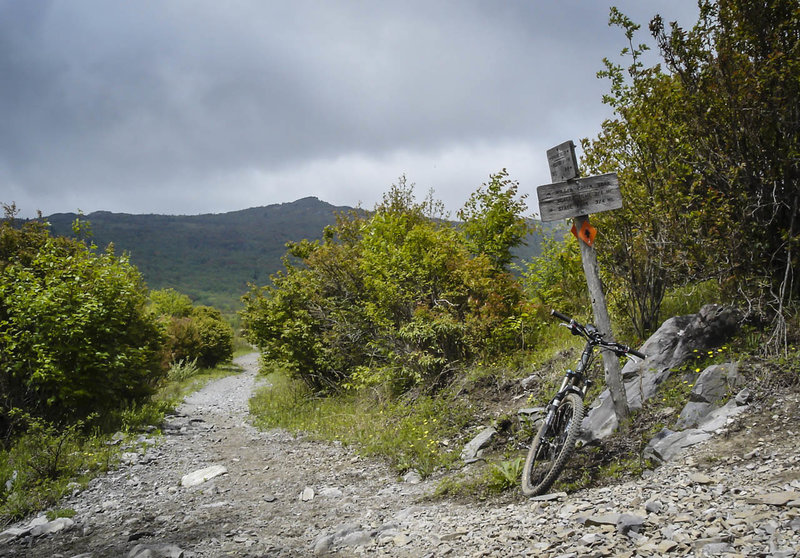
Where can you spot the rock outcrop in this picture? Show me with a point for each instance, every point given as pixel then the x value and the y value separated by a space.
pixel 669 347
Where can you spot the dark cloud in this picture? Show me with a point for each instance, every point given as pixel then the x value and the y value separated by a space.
pixel 187 106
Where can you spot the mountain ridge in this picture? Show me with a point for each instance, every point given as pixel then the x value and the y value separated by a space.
pixel 213 256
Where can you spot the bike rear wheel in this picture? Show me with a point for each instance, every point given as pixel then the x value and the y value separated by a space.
pixel 551 447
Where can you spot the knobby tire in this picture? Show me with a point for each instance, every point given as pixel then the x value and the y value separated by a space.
pixel 550 450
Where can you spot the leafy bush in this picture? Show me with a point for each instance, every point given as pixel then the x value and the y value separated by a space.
pixel 216 336
pixel 45 464
pixel 556 279
pixel 199 334
pixel 169 302
pixel 396 298
pixel 75 338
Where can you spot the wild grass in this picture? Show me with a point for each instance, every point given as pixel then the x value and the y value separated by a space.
pixel 412 433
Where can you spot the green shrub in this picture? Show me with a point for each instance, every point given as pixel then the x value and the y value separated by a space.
pixel 182 370
pixel 506 474
pixel 202 335
pixel 399 298
pixel 75 338
pixel 556 279
pixel 46 463
pixel 169 302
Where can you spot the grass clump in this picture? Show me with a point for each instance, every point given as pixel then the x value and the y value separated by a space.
pixel 47 463
pixel 411 432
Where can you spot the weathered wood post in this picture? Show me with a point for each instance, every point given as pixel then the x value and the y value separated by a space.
pixel 572 197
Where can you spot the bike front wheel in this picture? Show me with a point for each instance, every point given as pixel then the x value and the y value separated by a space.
pixel 552 446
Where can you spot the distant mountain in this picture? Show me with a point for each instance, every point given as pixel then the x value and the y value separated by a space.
pixel 209 257
pixel 213 257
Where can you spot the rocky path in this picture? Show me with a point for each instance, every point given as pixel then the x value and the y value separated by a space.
pixel 273 494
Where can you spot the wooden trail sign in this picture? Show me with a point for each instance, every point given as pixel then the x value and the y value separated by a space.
pixel 562 161
pixel 579 196
pixel 573 197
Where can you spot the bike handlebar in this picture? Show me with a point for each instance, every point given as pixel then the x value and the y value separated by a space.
pixel 561 316
pixel 637 354
pixel 582 330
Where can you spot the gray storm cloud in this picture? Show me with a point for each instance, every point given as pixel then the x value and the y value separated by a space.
pixel 186 107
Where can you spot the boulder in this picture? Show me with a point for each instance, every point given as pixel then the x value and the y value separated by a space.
pixel 199 477
pixel 470 451
pixel 670 346
pixel 667 443
pixel 710 389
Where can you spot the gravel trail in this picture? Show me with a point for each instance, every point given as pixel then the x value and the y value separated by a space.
pixel 283 495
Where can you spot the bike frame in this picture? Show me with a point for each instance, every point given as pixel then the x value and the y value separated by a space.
pixel 557 435
pixel 577 381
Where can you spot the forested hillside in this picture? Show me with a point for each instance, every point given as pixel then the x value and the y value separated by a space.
pixel 210 257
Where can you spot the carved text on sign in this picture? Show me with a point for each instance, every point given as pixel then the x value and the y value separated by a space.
pixel 580 196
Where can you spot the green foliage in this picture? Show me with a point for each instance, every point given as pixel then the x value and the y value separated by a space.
pixel 46 463
pixel 493 221
pixel 393 298
pixel 182 370
pixel 707 155
pixel 211 258
pixel 556 280
pixel 506 474
pixel 689 299
pixel 75 338
pixel 169 302
pixel 192 333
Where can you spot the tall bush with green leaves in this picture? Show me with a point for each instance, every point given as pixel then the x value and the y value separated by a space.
pixel 706 147
pixel 394 298
pixel 192 333
pixel 75 336
pixel 556 280
pixel 493 219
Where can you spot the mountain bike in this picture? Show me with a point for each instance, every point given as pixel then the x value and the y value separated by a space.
pixel 555 440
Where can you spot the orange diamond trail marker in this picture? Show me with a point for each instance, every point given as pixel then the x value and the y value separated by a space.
pixel 587 233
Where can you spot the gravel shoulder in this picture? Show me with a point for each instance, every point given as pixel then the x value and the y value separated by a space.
pixel 283 495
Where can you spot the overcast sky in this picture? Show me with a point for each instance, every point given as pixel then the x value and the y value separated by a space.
pixel 186 107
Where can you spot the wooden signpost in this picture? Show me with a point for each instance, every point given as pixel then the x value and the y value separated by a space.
pixel 572 197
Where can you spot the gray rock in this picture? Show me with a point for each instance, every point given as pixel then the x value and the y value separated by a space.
pixel 480 441
pixel 357 538
pixel 628 523
pixel 13 533
pixel 157 551
pixel 50 527
pixel 602 519
pixel 653 506
pixel 711 387
pixel 744 397
pixel 720 418
pixel 666 349
pixel 307 495
pixel 323 545
pixel 331 492
pixel 412 477
pixel 667 444
pixel 200 476
pixel 532 413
